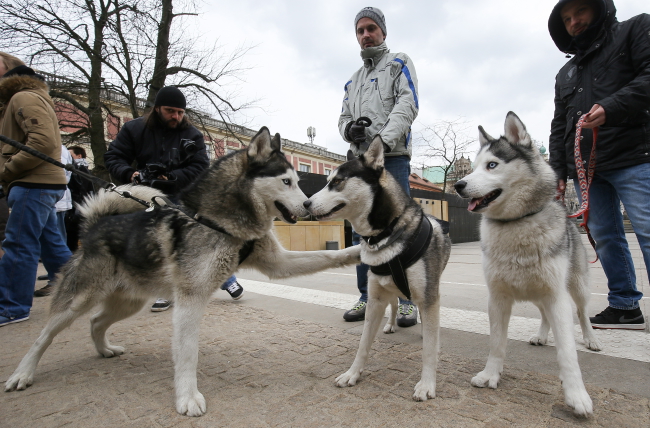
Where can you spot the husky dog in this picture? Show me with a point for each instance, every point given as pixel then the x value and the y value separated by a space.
pixel 531 252
pixel 130 255
pixel 396 232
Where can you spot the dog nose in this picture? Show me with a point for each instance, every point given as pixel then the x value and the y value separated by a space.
pixel 460 185
pixel 307 203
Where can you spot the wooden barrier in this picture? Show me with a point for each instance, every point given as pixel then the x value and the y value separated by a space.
pixel 309 235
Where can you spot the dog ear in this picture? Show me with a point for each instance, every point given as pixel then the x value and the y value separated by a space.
pixel 516 130
pixel 483 137
pixel 374 156
pixel 351 155
pixel 261 145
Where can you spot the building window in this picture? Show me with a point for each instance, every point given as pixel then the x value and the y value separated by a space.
pixel 305 168
pixel 328 171
pixel 230 150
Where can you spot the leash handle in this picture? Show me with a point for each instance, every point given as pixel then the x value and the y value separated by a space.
pixel 584 178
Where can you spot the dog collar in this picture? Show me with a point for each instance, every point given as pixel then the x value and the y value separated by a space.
pixel 518 218
pixel 375 239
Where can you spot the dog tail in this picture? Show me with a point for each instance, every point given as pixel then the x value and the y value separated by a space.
pixel 107 203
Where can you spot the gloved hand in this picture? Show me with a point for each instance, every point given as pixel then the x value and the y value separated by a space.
pixel 356 133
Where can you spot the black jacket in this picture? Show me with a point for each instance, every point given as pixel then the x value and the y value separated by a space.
pixel 142 144
pixel 613 71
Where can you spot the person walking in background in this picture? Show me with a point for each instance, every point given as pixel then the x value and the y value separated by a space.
pixel 169 152
pixel 608 79
pixel 80 188
pixel 384 89
pixel 32 186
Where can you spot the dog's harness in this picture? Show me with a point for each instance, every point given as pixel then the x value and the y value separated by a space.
pixel 413 251
pixel 244 252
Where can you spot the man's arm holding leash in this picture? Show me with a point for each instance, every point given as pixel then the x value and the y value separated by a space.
pixel 120 155
pixel 270 258
pixel 557 155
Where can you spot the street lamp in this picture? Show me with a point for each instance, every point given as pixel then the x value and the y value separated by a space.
pixel 311 133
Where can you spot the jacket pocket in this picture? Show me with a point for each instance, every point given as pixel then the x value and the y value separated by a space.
pixel 566 90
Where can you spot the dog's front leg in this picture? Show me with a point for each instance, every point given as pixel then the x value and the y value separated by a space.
pixel 499 310
pixel 558 310
pixel 187 319
pixel 377 302
pixel 426 387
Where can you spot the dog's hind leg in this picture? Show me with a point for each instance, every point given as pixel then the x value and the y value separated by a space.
pixel 378 298
pixel 115 307
pixel 187 315
pixel 392 317
pixel 430 315
pixel 23 376
pixel 580 295
pixel 541 338
pixel 499 310
pixel 558 309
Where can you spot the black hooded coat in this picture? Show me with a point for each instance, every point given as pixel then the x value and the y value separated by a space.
pixel 611 67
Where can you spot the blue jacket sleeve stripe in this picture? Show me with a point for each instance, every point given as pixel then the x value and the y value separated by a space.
pixel 345 88
pixel 407 74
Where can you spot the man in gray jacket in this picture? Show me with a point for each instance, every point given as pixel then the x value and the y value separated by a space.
pixel 383 90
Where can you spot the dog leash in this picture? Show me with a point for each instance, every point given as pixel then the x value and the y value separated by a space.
pixel 103 184
pixel 584 178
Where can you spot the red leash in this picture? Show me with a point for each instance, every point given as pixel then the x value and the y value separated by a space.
pixel 584 178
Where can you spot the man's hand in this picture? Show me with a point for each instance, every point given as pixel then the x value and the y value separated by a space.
pixel 135 174
pixel 561 188
pixel 357 133
pixel 595 117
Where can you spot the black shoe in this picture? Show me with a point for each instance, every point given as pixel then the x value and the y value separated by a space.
pixel 407 315
pixel 45 291
pixel 357 313
pixel 161 305
pixel 631 319
pixel 42 278
pixel 235 290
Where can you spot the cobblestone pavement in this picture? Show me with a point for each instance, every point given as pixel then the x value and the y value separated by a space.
pixel 258 368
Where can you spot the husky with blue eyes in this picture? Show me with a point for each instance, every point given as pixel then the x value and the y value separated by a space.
pixel 130 255
pixel 531 252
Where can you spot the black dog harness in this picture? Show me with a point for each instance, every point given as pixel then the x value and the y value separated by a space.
pixel 415 248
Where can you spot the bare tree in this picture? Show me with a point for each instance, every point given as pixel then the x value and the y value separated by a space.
pixel 441 145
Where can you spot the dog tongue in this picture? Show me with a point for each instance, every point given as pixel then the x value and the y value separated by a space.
pixel 472 204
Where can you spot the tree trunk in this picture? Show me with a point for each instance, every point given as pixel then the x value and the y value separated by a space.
pixel 162 53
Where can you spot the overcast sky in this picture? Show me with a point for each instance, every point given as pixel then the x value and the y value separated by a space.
pixel 475 59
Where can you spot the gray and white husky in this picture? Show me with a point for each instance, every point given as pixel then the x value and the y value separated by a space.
pixel 130 255
pixel 394 230
pixel 531 252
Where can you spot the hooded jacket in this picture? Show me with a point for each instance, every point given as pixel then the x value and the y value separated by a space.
pixel 610 67
pixel 27 116
pixel 156 144
pixel 384 89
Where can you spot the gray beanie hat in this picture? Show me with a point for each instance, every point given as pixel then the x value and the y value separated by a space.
pixel 373 13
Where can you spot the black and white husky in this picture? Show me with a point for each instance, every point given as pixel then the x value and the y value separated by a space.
pixel 130 255
pixel 531 252
pixel 406 250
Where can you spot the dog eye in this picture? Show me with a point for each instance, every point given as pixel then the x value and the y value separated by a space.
pixel 492 165
pixel 286 181
pixel 336 181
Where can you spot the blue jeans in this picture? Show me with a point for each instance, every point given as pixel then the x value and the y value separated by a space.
pixel 400 168
pixel 32 232
pixel 608 189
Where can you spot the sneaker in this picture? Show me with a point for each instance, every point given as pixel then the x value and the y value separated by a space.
pixel 11 320
pixel 357 313
pixel 161 305
pixel 407 315
pixel 631 319
pixel 235 290
pixel 45 291
pixel 42 278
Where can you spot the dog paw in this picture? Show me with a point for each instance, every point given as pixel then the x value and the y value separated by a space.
pixel 538 340
pixel 348 378
pixel 389 328
pixel 580 402
pixel 111 351
pixel 593 344
pixel 484 379
pixel 424 390
pixel 192 404
pixel 19 381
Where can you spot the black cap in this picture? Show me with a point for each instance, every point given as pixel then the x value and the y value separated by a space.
pixel 170 96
